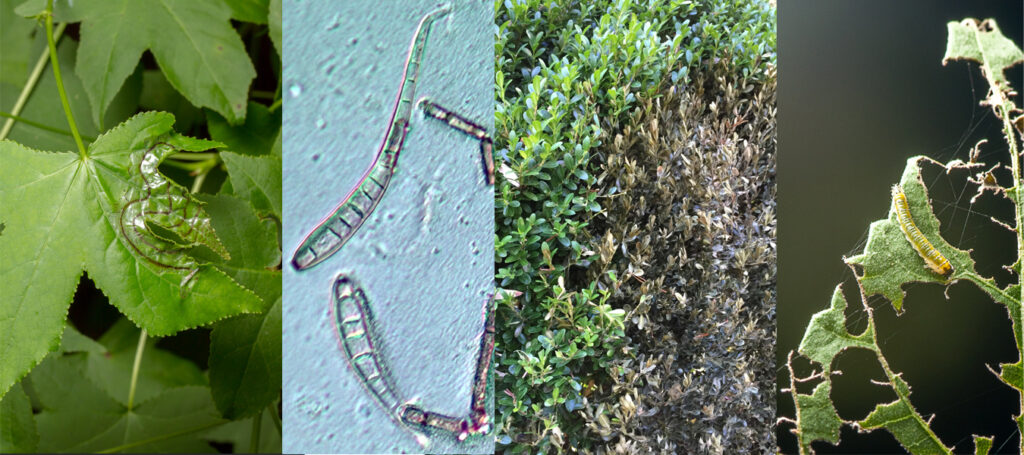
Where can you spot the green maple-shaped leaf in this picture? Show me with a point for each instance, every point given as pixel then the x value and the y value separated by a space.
pixel 44 105
pixel 982 43
pixel 60 216
pixel 245 351
pixel 254 11
pixel 826 335
pixel 158 95
pixel 254 137
pixel 255 254
pixel 245 362
pixel 111 368
pixel 257 179
pixel 889 260
pixel 193 42
pixel 17 424
pixel 16 34
pixel 79 416
pixel 239 433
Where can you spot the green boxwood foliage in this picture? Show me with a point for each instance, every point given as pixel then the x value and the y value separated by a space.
pixel 568 74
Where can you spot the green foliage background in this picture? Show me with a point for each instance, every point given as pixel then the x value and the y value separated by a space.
pixel 74 374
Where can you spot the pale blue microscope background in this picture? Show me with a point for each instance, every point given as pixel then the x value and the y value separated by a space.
pixel 424 257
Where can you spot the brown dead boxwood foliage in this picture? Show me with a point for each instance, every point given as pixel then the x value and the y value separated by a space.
pixel 689 230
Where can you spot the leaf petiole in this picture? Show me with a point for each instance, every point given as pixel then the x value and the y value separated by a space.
pixel 14 118
pixel 201 170
pixel 60 82
pixel 135 368
pixel 193 156
pixel 257 424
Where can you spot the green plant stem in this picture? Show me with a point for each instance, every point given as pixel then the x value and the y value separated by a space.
pixel 198 183
pixel 60 82
pixel 264 94
pixel 135 368
pixel 124 447
pixel 191 166
pixel 254 441
pixel 273 107
pixel 1005 112
pixel 988 286
pixel 14 118
pixel 1018 201
pixel 33 79
pixel 275 418
pixel 193 156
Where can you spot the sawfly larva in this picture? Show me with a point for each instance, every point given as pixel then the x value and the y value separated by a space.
pixel 933 259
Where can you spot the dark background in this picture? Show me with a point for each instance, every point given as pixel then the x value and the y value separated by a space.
pixel 861 89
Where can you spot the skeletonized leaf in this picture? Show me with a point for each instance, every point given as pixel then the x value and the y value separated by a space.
pixel 900 419
pixel 819 420
pixel 982 444
pixel 889 260
pixel 826 335
pixel 984 44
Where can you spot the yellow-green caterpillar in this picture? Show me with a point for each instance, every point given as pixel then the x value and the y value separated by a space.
pixel 933 259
